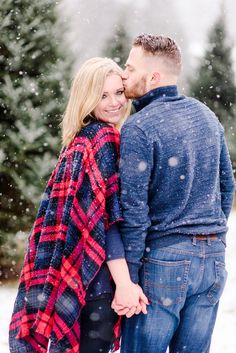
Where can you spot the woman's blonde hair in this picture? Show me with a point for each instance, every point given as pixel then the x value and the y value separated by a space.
pixel 86 92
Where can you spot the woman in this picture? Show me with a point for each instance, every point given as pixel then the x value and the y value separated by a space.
pixel 65 289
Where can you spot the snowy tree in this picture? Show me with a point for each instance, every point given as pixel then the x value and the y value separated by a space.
pixel 118 45
pixel 214 82
pixel 33 89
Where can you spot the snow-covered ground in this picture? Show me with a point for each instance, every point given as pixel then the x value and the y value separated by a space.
pixel 223 340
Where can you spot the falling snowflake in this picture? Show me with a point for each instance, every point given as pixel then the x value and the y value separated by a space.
pixel 173 161
pixel 142 166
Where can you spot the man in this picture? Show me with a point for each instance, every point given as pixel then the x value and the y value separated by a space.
pixel 177 191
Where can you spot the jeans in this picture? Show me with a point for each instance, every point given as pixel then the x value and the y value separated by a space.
pixel 183 279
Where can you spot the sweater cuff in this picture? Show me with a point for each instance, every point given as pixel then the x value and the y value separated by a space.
pixel 121 255
pixel 134 272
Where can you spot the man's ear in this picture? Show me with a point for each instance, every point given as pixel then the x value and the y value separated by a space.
pixel 156 77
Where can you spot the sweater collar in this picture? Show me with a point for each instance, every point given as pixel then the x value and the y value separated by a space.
pixel 157 93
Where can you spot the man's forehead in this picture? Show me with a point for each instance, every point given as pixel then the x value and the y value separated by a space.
pixel 136 54
pixel 136 51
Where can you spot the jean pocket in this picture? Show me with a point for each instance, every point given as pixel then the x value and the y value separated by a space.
pixel 165 282
pixel 217 288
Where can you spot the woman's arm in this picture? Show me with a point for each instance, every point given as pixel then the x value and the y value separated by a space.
pixel 127 295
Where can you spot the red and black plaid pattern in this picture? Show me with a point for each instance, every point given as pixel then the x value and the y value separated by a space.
pixel 67 244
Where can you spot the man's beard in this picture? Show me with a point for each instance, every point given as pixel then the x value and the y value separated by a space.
pixel 137 90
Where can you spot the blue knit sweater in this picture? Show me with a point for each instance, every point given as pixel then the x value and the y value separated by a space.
pixel 175 171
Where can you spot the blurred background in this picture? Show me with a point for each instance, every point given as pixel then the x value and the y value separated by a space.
pixel 42 44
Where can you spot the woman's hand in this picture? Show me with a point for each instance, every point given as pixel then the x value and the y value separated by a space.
pixel 129 299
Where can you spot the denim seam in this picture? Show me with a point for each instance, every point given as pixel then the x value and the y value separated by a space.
pixel 219 266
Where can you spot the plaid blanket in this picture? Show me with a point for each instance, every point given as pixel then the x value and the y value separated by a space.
pixel 67 243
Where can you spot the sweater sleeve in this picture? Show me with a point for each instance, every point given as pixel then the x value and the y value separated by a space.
pixel 114 244
pixel 135 170
pixel 227 184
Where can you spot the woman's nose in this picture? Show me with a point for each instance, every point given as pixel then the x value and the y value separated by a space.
pixel 114 101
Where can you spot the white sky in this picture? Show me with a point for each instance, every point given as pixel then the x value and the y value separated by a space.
pixel 197 17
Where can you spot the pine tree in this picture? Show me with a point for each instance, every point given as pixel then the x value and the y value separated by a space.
pixel 118 45
pixel 33 88
pixel 214 83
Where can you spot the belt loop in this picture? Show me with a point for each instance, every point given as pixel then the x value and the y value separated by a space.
pixel 194 240
pixel 208 241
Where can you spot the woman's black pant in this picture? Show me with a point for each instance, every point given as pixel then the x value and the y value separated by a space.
pixel 96 323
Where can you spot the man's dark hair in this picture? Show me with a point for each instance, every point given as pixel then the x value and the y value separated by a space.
pixel 161 47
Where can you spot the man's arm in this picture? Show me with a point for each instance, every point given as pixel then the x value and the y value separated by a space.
pixel 135 170
pixel 227 183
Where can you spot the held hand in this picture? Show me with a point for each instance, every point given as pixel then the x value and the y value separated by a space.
pixel 142 307
pixel 126 296
pixel 134 309
pixel 143 300
pixel 129 298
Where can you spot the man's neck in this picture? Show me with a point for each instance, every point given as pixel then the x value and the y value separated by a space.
pixel 163 83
